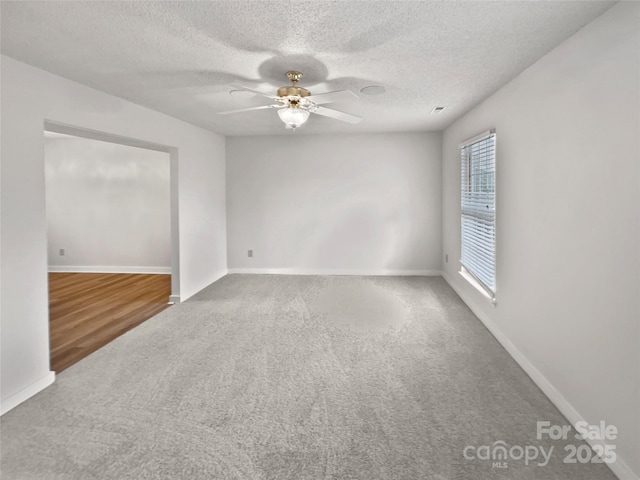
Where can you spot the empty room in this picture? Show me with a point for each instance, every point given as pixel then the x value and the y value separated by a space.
pixel 108 270
pixel 391 240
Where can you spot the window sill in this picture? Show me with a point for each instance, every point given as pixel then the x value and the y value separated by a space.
pixel 474 283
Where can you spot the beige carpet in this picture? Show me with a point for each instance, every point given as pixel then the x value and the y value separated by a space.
pixel 292 377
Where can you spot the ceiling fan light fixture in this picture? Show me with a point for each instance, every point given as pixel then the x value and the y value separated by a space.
pixel 295 104
pixel 293 117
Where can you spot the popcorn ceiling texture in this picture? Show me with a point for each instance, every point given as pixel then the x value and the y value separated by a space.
pixel 180 57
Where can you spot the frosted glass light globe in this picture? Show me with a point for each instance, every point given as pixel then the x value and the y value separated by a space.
pixel 293 117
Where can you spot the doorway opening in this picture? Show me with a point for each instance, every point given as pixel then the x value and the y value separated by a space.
pixel 111 234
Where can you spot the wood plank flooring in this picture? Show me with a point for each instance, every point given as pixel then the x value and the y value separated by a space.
pixel 88 310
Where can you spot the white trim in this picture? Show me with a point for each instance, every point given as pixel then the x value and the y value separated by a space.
pixel 329 271
pixel 66 129
pixel 26 393
pixel 478 285
pixel 477 138
pixel 108 269
pixel 620 468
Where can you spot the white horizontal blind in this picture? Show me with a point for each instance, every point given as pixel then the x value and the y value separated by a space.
pixel 478 210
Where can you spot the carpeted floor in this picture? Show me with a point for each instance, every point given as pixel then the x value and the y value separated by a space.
pixel 292 377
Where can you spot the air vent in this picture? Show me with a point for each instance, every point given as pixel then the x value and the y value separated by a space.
pixel 437 109
pixel 373 90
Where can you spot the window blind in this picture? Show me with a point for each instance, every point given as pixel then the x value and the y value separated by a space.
pixel 478 210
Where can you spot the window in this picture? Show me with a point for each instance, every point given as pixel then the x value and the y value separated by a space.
pixel 478 242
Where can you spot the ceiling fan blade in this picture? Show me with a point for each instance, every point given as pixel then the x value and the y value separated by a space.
pixel 333 97
pixel 345 117
pixel 261 107
pixel 257 92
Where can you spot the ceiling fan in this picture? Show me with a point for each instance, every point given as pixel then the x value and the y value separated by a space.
pixel 295 103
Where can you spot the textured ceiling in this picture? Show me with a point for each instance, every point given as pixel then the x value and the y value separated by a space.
pixel 180 57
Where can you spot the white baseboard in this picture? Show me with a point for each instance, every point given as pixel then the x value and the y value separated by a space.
pixel 107 269
pixel 26 393
pixel 329 271
pixel 620 468
pixel 174 298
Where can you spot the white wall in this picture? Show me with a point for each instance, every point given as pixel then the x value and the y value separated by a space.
pixel 568 211
pixel 335 203
pixel 29 96
pixel 108 206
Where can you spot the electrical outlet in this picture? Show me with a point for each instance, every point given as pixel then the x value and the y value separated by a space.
pixel 62 252
pixel 446 258
pixel 249 253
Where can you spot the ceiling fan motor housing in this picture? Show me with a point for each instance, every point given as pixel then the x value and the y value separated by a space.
pixel 293 91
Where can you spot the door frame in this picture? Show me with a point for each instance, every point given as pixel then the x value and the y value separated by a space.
pixel 66 129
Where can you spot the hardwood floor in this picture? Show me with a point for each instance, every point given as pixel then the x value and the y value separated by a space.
pixel 88 310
